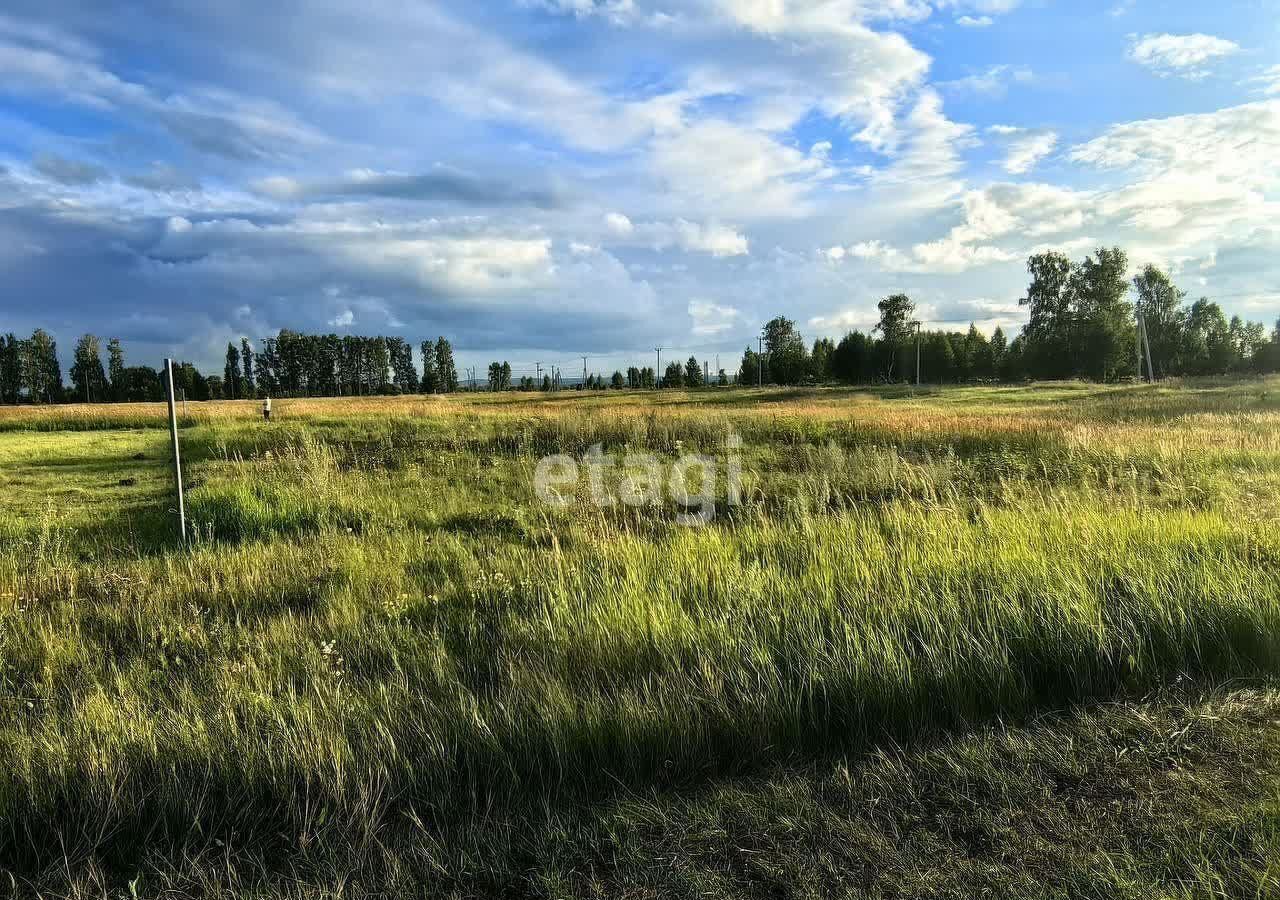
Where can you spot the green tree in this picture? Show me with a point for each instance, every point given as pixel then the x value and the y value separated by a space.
pixel 1047 335
pixel 430 381
pixel 115 367
pixel 674 376
pixel 979 355
pixel 787 357
pixel 87 376
pixel 692 373
pixel 897 321
pixel 41 372
pixel 447 372
pixel 820 359
pixel 853 360
pixel 999 353
pixel 617 382
pixel 1160 303
pixel 754 368
pixel 10 369
pixel 247 387
pixel 231 373
pixel 1207 345
pixel 1104 324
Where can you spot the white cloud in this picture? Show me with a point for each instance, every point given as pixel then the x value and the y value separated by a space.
pixel 993 81
pixel 1026 152
pixel 951 254
pixel 1269 80
pixel 975 21
pixel 712 238
pixel 734 170
pixel 344 319
pixel 1182 55
pixel 711 319
pixel 923 174
pixel 718 240
pixel 618 223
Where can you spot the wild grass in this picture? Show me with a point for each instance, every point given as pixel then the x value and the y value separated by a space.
pixel 379 638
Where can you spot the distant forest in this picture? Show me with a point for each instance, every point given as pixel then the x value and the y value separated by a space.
pixel 1081 325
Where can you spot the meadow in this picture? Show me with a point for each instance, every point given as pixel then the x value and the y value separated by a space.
pixel 1014 640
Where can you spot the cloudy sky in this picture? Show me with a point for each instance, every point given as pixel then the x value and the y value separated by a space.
pixel 542 179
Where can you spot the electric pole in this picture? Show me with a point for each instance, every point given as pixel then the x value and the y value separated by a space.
pixel 584 373
pixel 177 456
pixel 657 373
pixel 539 365
pixel 1146 343
pixel 917 324
pixel 1137 333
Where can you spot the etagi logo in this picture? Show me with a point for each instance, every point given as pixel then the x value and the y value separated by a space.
pixel 690 483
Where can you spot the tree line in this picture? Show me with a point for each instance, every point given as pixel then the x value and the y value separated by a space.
pixel 292 364
pixel 287 365
pixel 1081 324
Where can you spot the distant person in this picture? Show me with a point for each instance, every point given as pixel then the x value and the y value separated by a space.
pixel 266 409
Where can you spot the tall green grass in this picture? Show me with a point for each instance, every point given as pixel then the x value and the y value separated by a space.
pixel 377 627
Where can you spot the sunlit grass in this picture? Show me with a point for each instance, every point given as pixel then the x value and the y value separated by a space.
pixel 377 626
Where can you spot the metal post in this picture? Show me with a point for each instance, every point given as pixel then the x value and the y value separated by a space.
pixel 177 457
pixel 917 354
pixel 1137 333
pixel 1146 342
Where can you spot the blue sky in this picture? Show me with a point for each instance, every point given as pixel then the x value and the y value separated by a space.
pixel 542 179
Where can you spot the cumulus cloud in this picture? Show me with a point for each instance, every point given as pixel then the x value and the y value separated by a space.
pixel 1026 151
pixel 975 21
pixel 713 238
pixel 949 254
pixel 710 319
pixel 1181 55
pixel 737 171
pixel 618 223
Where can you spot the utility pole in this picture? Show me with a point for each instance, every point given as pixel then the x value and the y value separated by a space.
pixel 1146 343
pixel 539 365
pixel 657 373
pixel 177 458
pixel 1137 333
pixel 706 376
pixel 584 373
pixel 917 324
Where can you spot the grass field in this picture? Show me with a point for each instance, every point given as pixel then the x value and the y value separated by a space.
pixel 1014 640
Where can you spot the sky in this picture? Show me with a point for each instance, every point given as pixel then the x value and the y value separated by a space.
pixel 540 180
